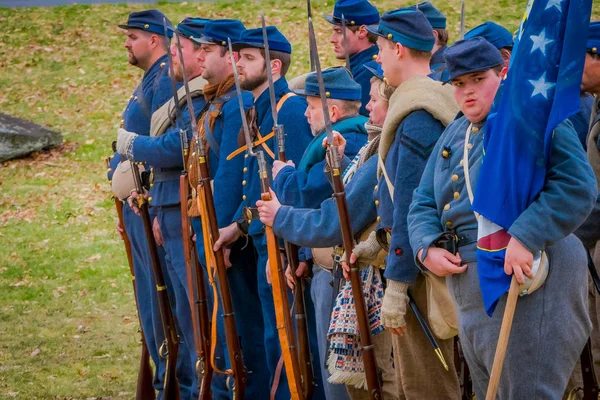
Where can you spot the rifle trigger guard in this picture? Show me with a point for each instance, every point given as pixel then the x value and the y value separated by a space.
pixel 163 352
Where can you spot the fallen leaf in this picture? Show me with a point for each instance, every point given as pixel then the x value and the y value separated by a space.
pixel 35 352
pixel 93 258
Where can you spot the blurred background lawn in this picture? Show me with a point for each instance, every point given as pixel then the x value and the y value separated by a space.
pixel 67 316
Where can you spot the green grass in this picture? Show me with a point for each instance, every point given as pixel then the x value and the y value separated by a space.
pixel 67 316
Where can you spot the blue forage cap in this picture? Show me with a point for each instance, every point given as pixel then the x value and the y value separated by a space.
pixel 406 26
pixel 148 20
pixel 355 12
pixel 218 31
pixel 593 43
pixel 338 84
pixel 471 55
pixel 192 28
pixel 254 38
pixel 374 68
pixel 496 34
pixel 433 15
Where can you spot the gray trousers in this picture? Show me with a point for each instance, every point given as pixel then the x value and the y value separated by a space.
pixel 549 329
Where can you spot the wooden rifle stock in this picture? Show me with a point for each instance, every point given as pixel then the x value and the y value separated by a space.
pixel 305 359
pixel 285 328
pixel 170 347
pixel 144 390
pixel 209 217
pixel 197 296
pixel 368 351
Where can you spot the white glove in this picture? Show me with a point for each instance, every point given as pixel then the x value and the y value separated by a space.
pixel 124 139
pixel 395 300
pixel 366 252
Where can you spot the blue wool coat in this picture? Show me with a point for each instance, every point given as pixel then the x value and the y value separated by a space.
pixel 151 93
pixel 228 175
pixel 163 153
pixel 298 136
pixel 321 227
pixel 439 72
pixel 415 139
pixel 362 76
pixel 308 185
pixel 441 199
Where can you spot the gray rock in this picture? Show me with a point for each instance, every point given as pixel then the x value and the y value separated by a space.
pixel 19 137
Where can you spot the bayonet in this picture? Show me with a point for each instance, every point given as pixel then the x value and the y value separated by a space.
pixel 277 128
pixel 182 136
pixel 312 56
pixel 328 128
pixel 462 20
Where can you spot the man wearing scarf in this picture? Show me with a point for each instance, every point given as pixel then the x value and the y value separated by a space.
pixel 420 108
pixel 218 129
pixel 320 227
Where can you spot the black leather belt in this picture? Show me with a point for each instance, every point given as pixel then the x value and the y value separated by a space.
pixel 166 175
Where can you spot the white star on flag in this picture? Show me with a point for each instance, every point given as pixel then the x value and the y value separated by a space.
pixel 540 42
pixel 554 3
pixel 541 86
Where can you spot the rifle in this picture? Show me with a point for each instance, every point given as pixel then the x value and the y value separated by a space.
pixel 195 276
pixel 144 390
pixel 368 354
pixel 312 56
pixel 304 356
pixel 285 327
pixel 170 347
pixel 237 374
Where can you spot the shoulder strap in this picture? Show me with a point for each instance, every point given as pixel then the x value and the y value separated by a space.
pixel 263 139
pixel 466 167
pixel 388 182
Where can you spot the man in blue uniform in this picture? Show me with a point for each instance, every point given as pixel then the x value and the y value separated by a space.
pixel 550 326
pixel 419 110
pixel 438 23
pixel 219 127
pixel 589 232
pixel 320 227
pixel 360 44
pixel 162 150
pixel 308 185
pixel 254 79
pixel 146 46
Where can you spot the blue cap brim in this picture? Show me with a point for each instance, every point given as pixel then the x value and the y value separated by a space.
pixel 332 20
pixel 237 46
pixel 373 71
pixel 374 29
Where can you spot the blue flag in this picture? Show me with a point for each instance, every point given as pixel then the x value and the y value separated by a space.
pixel 541 90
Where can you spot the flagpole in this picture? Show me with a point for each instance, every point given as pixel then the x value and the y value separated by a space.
pixel 507 320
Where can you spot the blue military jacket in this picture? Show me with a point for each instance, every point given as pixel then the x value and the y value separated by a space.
pixel 414 141
pixel 308 185
pixel 361 75
pixel 151 93
pixel 439 72
pixel 163 153
pixel 442 201
pixel 228 175
pixel 298 136
pixel 321 227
